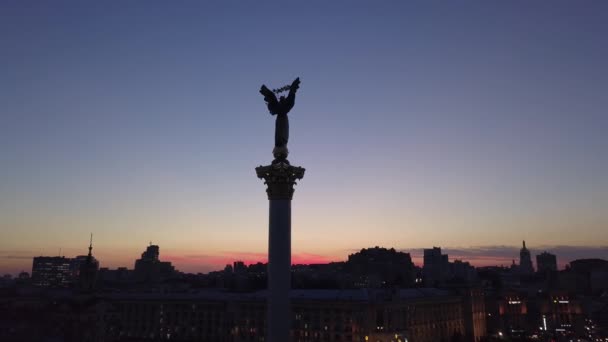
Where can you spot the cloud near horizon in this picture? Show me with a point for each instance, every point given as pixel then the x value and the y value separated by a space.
pixel 504 255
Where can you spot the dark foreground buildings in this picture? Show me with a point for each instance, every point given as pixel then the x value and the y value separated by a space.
pixel 376 295
pixel 211 315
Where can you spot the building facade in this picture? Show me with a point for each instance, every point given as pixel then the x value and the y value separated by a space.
pixel 51 272
pixel 420 315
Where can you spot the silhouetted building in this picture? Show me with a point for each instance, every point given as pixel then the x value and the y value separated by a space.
pixel 525 261
pixel 462 271
pixel 380 267
pixel 6 280
pixel 588 265
pixel 335 275
pixel 119 277
pixel 149 269
pixel 546 262
pixel 436 268
pixel 239 267
pixel 588 276
pixel 22 279
pixel 51 272
pixel 87 276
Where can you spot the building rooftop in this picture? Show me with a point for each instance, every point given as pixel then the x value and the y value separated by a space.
pixel 348 295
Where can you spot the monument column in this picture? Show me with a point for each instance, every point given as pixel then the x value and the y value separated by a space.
pixel 280 177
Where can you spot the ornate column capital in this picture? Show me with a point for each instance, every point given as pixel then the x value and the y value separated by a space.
pixel 280 177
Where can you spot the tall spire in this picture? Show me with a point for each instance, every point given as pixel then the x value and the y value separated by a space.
pixel 91 245
pixel 524 244
pixel 88 270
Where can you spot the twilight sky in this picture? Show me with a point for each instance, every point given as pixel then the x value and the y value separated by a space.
pixel 464 125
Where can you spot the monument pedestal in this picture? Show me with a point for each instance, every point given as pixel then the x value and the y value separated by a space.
pixel 280 177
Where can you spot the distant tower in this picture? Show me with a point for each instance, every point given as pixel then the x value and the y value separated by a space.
pixel 525 261
pixel 87 277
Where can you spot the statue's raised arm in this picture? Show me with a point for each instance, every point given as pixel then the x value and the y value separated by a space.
pixel 295 85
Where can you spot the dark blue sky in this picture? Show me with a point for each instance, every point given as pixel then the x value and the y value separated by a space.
pixel 419 123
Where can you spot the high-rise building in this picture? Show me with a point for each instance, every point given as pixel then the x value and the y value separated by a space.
pixel 150 269
pixel 546 262
pixel 51 271
pixel 525 260
pixel 435 270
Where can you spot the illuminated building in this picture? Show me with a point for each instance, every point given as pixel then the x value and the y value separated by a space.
pixel 560 313
pixel 51 272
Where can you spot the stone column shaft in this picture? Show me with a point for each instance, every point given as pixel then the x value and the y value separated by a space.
pixel 279 270
pixel 280 177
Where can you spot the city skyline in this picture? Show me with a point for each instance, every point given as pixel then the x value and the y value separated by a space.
pixel 419 125
pixel 200 263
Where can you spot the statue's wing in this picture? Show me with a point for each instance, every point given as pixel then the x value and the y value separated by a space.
pixel 268 95
pixel 270 98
